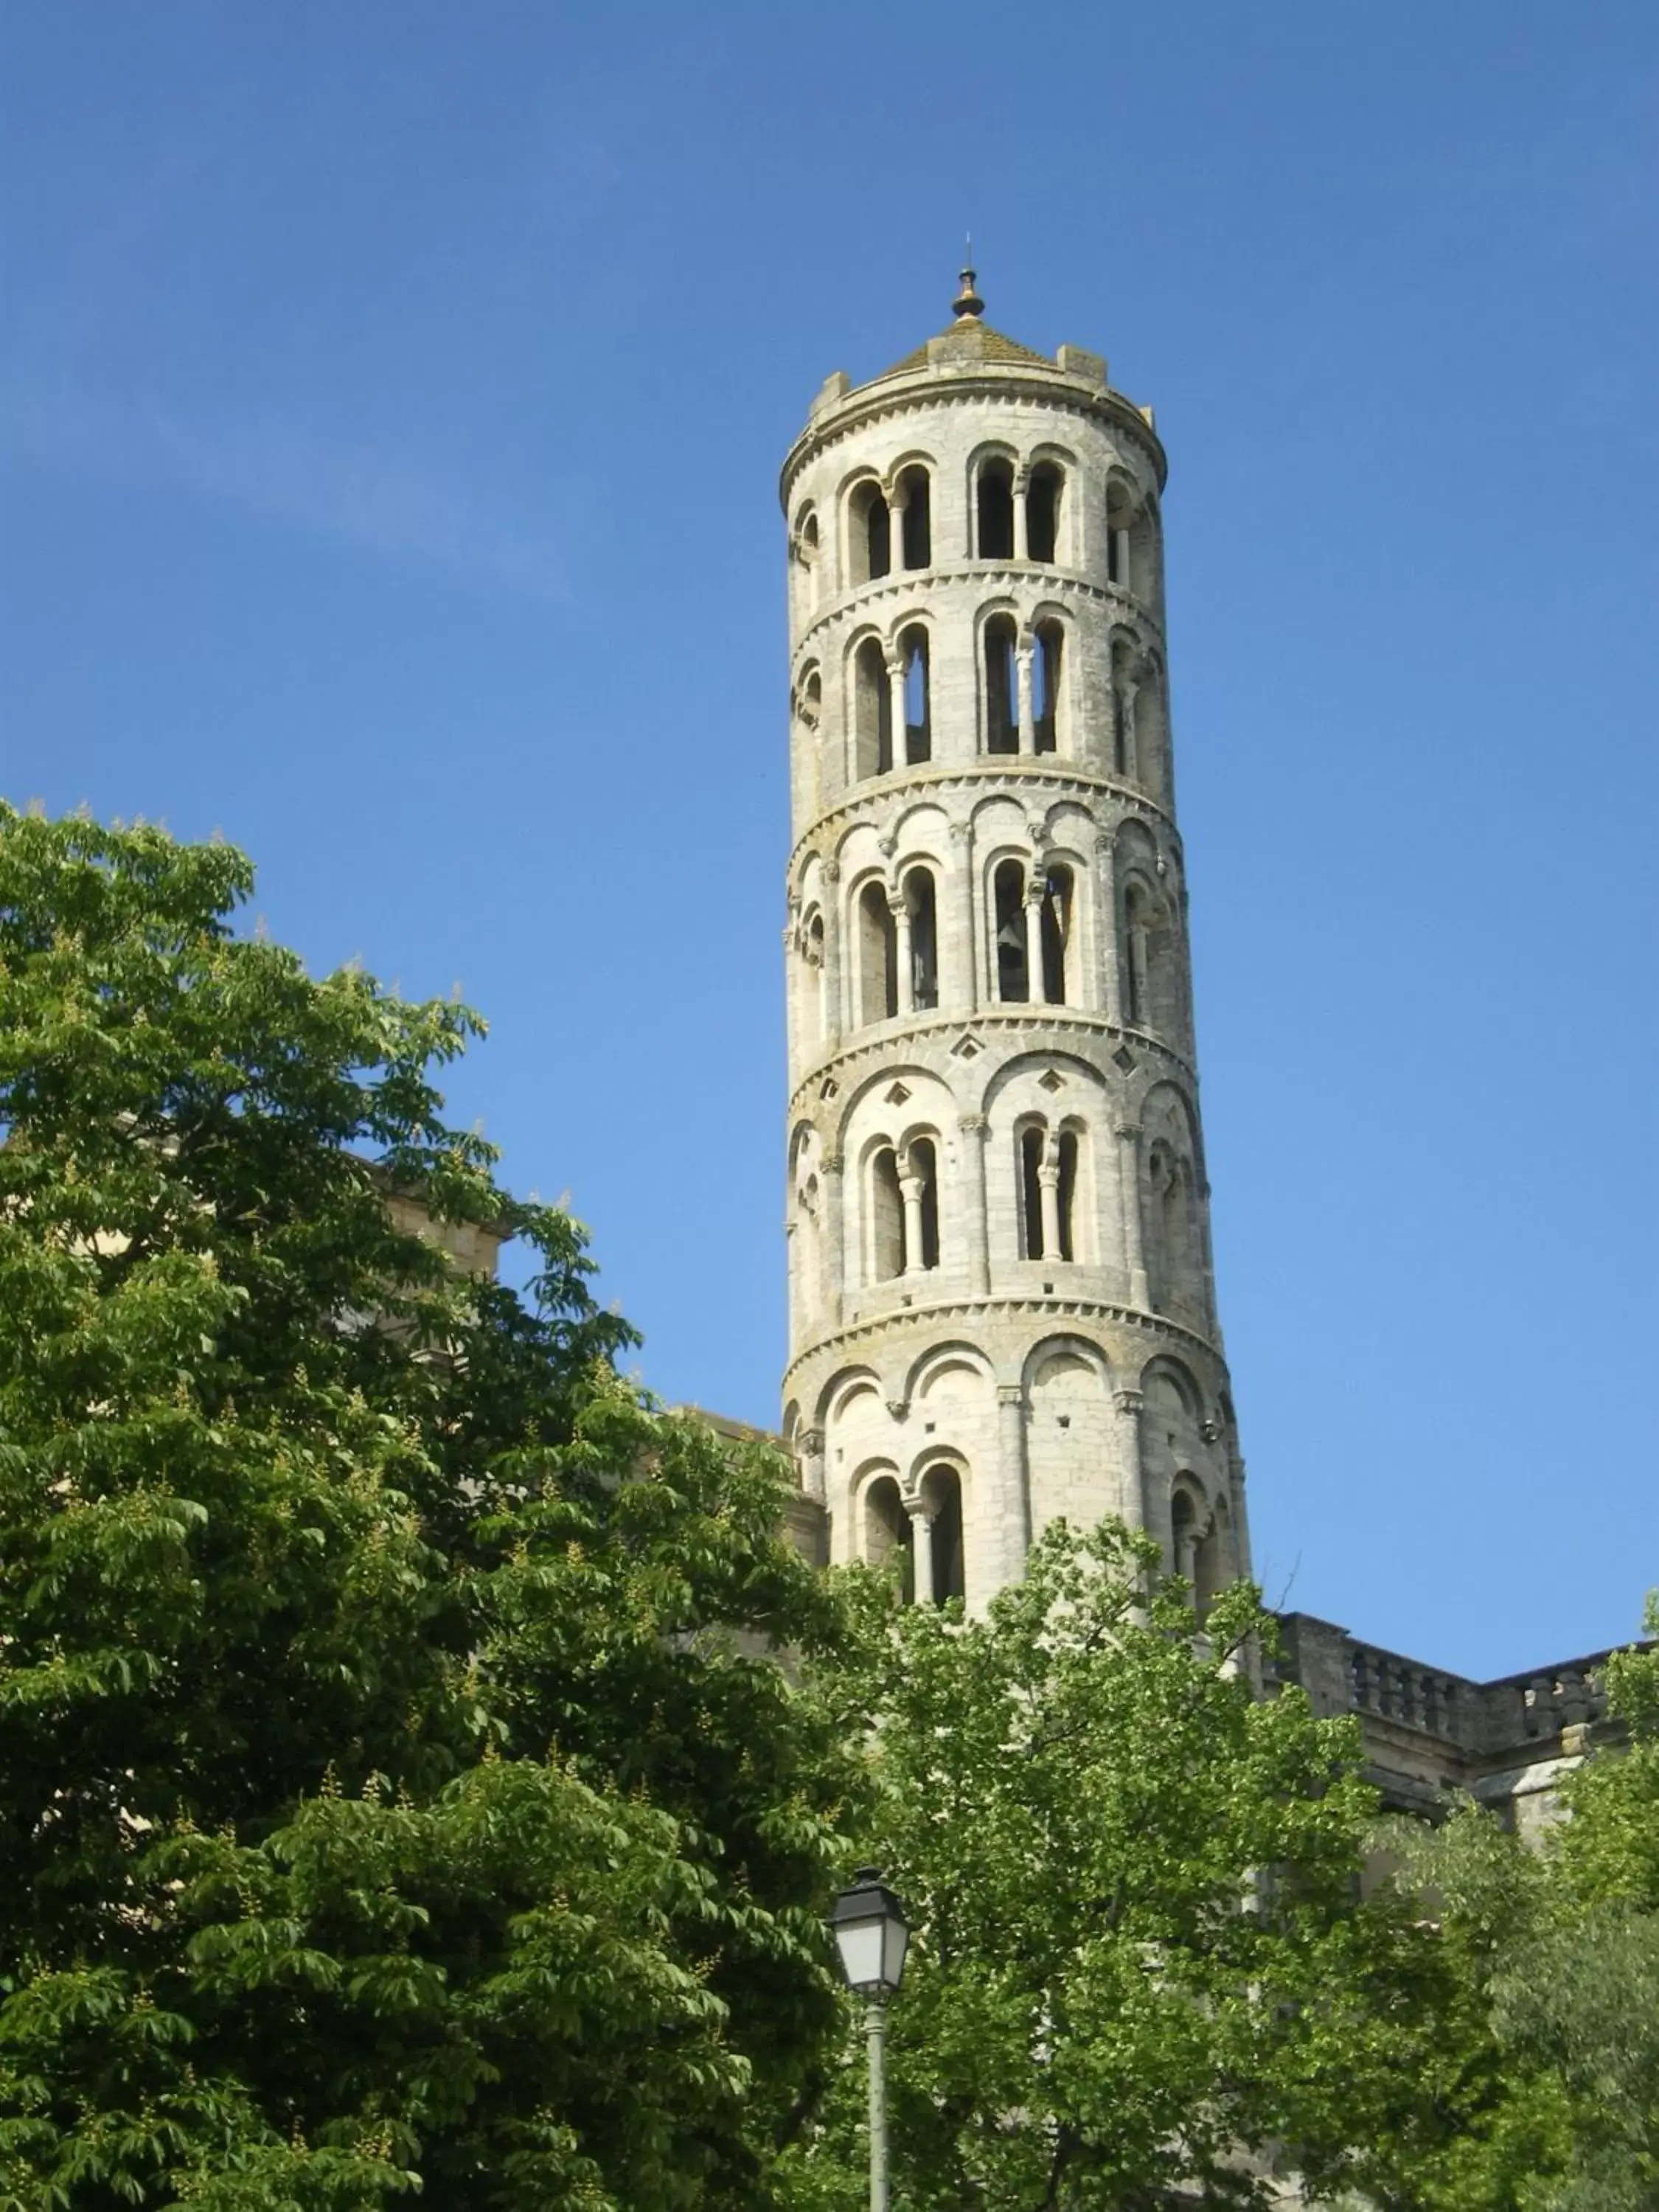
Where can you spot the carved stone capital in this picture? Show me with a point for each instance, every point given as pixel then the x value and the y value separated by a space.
pixel 810 1444
pixel 1209 1428
pixel 972 1125
pixel 887 844
pixel 899 1408
pixel 919 1509
pixel 829 870
pixel 1010 1393
pixel 1128 1131
pixel 832 1164
pixel 1128 1402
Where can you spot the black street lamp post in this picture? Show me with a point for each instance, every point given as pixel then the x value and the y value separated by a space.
pixel 871 1937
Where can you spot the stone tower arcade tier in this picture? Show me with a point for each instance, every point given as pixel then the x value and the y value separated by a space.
pixel 1001 1305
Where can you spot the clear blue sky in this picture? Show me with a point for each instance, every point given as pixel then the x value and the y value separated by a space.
pixel 391 403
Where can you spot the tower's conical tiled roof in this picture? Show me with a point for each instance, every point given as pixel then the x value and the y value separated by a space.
pixel 972 338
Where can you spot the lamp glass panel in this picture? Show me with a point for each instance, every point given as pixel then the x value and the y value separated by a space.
pixel 898 1940
pixel 859 1942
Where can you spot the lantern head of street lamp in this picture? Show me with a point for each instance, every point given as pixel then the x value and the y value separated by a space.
pixel 871 1934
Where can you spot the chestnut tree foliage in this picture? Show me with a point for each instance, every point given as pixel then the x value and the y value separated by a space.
pixel 391 1790
pixel 1556 1946
pixel 1141 1972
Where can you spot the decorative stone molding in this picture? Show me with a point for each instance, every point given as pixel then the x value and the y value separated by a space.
pixel 1162 1331
pixel 1066 777
pixel 1014 1019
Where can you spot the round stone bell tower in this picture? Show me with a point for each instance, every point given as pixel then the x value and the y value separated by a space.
pixel 1001 1303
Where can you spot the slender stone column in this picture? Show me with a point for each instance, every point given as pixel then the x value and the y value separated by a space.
pixel 910 1192
pixel 922 1549
pixel 974 1129
pixel 967 959
pixel 1120 560
pixel 835 1238
pixel 895 707
pixel 1131 750
pixel 905 980
pixel 1049 1198
pixel 1035 888
pixel 1129 1174
pixel 953 947
pixel 830 874
pixel 1016 1498
pixel 1022 482
pixel 1024 657
pixel 1111 987
pixel 810 1445
pixel 895 507
pixel 1128 1404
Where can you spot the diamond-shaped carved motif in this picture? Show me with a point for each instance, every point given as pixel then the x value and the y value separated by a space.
pixel 897 1094
pixel 967 1046
pixel 1126 1060
pixel 1051 1080
pixel 828 1088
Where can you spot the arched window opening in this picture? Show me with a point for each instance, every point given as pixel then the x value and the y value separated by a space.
pixel 917 532
pixel 1056 916
pixel 878 957
pixel 1032 1245
pixel 810 703
pixel 1143 555
pixel 918 728
pixel 886 1217
pixel 806 1244
pixel 1211 1561
pixel 1008 896
pixel 1043 512
pixel 941 1490
pixel 921 1227
pixel 1120 516
pixel 869 534
pixel 923 905
pixel 994 507
pixel 811 995
pixel 1150 749
pixel 887 1531
pixel 1183 1533
pixel 872 710
pixel 1066 1193
pixel 1001 686
pixel 1123 761
pixel 1136 936
pixel 1045 683
pixel 804 547
pixel 1178 1276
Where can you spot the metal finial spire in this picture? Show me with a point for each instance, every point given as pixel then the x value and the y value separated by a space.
pixel 968 303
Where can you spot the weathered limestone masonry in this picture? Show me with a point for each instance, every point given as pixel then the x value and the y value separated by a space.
pixel 1001 1294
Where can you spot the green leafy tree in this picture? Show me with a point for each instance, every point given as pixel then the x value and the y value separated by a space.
pixel 1558 1943
pixel 393 1789
pixel 1140 1963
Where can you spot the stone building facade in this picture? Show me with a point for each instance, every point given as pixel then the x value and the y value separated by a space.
pixel 1001 1301
pixel 1002 1305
